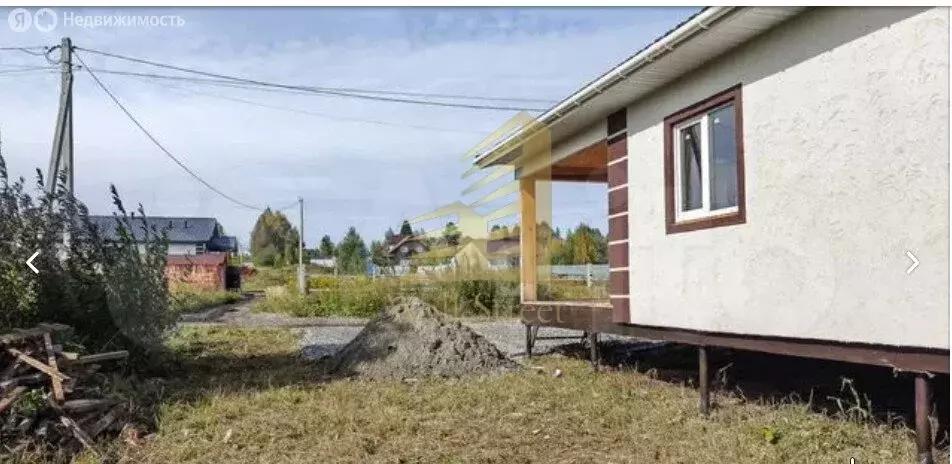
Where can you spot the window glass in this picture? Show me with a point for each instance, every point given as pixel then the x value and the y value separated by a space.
pixel 723 152
pixel 691 167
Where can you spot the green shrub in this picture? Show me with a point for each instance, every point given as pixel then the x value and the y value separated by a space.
pixel 111 293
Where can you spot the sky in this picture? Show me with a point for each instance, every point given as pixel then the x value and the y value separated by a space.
pixel 350 172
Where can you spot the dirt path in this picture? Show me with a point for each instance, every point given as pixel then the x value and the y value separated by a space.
pixel 240 314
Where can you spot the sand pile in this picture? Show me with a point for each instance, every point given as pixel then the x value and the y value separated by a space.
pixel 411 340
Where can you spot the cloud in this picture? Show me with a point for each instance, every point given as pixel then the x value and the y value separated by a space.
pixel 350 173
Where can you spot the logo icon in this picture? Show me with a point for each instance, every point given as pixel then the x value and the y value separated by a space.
pixel 20 19
pixel 45 20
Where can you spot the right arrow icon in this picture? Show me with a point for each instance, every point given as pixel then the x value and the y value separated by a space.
pixel 915 262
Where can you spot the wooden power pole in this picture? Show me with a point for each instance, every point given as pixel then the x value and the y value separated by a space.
pixel 302 274
pixel 61 157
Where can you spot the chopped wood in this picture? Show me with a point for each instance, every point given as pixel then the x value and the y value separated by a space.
pixel 105 421
pixel 37 364
pixel 27 380
pixel 95 358
pixel 26 334
pixel 11 397
pixel 86 405
pixel 30 361
pixel 79 434
pixel 51 360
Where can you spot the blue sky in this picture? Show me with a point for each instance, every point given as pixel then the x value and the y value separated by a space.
pixel 350 173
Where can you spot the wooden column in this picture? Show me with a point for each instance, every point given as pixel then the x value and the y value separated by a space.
pixel 528 248
pixel 704 380
pixel 923 427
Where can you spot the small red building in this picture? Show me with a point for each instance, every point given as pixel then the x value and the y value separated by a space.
pixel 205 271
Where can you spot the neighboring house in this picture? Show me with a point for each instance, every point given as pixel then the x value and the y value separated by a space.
pixel 198 250
pixel 187 235
pixel 402 249
pixel 768 169
pixel 324 262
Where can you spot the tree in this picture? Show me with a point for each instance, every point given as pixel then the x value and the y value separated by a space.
pixel 388 235
pixel 451 234
pixel 352 253
pixel 379 255
pixel 406 229
pixel 326 248
pixel 274 242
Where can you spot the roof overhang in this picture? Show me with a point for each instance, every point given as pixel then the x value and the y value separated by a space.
pixel 700 39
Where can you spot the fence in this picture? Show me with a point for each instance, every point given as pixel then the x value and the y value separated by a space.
pixel 585 272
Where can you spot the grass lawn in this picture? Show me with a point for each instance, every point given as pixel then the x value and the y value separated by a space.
pixel 183 301
pixel 243 397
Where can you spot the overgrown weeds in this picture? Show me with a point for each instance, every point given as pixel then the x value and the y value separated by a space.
pixel 487 294
pixel 113 293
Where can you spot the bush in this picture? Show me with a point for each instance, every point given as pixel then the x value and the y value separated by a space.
pixel 264 277
pixel 111 293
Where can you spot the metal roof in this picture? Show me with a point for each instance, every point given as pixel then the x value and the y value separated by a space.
pixel 179 229
pixel 699 39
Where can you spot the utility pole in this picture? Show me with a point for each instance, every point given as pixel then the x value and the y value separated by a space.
pixel 62 155
pixel 302 275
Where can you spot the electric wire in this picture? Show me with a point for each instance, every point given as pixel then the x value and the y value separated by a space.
pixel 314 113
pixel 311 89
pixel 156 141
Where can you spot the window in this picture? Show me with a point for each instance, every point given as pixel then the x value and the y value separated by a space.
pixel 704 164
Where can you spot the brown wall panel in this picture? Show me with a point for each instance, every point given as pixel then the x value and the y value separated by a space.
pixel 618 201
pixel 617 147
pixel 620 311
pixel 618 283
pixel 618 255
pixel 617 228
pixel 618 174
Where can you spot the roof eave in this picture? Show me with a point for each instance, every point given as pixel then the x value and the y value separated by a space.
pixel 657 49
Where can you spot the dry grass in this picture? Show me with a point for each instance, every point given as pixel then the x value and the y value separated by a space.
pixel 245 398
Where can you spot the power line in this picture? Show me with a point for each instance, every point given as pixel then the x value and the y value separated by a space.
pixel 315 113
pixel 231 82
pixel 156 142
pixel 311 89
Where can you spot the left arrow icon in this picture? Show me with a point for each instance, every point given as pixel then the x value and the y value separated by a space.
pixel 29 262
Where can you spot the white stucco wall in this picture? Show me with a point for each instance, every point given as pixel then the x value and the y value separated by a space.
pixel 846 117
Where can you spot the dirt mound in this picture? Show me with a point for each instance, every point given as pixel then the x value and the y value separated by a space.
pixel 411 340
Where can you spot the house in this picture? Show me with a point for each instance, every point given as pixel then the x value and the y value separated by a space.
pixel 187 235
pixel 402 248
pixel 198 249
pixel 769 174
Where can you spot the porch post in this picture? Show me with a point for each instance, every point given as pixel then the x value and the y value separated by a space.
pixel 704 380
pixel 923 427
pixel 528 249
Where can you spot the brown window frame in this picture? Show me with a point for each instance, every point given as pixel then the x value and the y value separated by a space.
pixel 672 225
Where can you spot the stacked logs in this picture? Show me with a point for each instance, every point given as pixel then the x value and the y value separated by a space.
pixel 42 394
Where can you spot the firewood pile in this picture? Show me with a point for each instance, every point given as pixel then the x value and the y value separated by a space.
pixel 43 396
